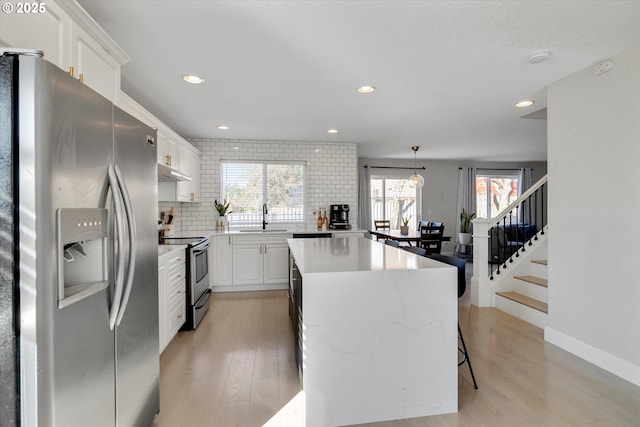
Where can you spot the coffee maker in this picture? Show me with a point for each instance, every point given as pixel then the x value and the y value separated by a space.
pixel 339 217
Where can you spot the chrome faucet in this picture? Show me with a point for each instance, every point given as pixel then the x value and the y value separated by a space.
pixel 264 216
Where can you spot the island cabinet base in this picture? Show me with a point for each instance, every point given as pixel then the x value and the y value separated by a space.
pixel 379 345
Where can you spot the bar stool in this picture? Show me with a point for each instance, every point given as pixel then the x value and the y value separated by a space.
pixel 460 264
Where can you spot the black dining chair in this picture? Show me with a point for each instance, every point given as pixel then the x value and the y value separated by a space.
pixel 460 264
pixel 431 237
pixel 416 250
pixel 381 224
pixel 391 242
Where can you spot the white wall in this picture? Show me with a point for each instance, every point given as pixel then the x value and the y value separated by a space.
pixel 594 211
pixel 330 175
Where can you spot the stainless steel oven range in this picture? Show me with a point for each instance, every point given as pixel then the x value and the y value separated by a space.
pixel 198 291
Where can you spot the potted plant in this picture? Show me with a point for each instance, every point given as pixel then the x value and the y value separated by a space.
pixel 464 236
pixel 404 228
pixel 223 210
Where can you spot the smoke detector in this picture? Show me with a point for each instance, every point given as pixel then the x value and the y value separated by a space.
pixel 539 57
pixel 603 67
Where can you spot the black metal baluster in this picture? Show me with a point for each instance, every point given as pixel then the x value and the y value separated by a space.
pixel 542 200
pixel 535 213
pixel 511 228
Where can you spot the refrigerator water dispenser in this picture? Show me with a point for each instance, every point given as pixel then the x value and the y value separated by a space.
pixel 82 253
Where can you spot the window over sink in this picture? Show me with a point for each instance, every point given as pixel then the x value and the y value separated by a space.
pixel 247 185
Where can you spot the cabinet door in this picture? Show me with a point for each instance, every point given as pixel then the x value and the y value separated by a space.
pixel 162 308
pixel 184 187
pixel 100 70
pixel 194 160
pixel 167 149
pixel 247 264
pixel 276 263
pixel 175 319
pixel 48 32
pixel 223 256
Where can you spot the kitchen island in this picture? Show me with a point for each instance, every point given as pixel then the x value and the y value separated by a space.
pixel 376 331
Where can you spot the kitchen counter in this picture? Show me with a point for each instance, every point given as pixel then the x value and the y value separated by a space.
pixel 273 231
pixel 165 249
pixel 378 331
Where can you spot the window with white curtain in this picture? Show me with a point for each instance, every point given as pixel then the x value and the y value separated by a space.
pixel 495 192
pixel 247 185
pixel 393 199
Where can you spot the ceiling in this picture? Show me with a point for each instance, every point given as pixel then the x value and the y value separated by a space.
pixel 447 73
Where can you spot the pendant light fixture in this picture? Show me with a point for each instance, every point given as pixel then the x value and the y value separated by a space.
pixel 415 180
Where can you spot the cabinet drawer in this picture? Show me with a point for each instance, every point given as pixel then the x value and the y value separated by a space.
pixel 175 293
pixel 177 261
pixel 175 319
pixel 176 276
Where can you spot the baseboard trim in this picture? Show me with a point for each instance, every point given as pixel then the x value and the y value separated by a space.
pixel 247 288
pixel 619 367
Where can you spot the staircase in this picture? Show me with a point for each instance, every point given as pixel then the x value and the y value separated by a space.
pixel 528 299
pixel 509 263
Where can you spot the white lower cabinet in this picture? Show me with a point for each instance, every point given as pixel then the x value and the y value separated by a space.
pixel 171 295
pixel 260 260
pixel 247 265
pixel 249 262
pixel 221 261
pixel 276 263
pixel 162 297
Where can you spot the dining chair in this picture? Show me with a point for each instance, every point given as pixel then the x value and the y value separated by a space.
pixel 415 249
pixel 460 264
pixel 381 224
pixel 431 237
pixel 392 242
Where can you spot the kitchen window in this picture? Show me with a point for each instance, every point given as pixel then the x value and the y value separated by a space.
pixel 495 192
pixel 248 185
pixel 392 199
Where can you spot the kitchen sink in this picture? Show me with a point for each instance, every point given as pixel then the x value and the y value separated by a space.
pixel 264 231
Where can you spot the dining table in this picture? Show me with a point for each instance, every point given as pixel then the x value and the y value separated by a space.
pixel 413 236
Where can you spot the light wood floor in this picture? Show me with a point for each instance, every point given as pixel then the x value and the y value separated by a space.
pixel 237 369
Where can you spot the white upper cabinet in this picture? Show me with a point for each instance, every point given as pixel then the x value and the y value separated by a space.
pixel 189 191
pixel 94 65
pixel 43 31
pixel 70 39
pixel 168 153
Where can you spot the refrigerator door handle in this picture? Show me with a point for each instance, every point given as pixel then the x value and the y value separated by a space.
pixel 117 208
pixel 133 239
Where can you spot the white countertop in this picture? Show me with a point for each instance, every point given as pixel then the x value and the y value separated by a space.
pixel 354 254
pixel 165 249
pixel 275 231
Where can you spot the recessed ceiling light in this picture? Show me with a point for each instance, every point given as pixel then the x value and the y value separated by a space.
pixel 366 89
pixel 524 103
pixel 332 131
pixel 222 127
pixel 190 78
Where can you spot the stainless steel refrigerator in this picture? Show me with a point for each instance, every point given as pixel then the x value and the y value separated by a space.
pixel 78 253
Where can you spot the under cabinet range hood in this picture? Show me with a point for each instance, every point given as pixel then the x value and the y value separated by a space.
pixel 167 173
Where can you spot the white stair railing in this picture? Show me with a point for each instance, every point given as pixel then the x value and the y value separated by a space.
pixel 498 241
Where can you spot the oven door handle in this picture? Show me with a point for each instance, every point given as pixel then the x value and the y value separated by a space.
pixel 201 248
pixel 202 297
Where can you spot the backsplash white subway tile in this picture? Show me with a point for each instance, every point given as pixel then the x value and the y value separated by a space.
pixel 331 176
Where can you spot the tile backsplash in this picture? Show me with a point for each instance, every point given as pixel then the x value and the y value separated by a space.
pixel 331 176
